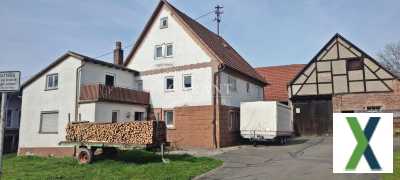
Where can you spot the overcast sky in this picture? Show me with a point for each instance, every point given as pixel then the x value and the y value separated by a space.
pixel 265 32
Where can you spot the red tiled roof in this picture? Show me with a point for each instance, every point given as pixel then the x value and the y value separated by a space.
pixel 219 47
pixel 278 77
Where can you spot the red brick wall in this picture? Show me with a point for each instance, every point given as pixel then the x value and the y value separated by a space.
pixel 228 136
pixel 359 102
pixel 47 151
pixel 193 126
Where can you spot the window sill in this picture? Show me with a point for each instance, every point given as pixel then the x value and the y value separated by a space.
pixel 187 89
pixel 52 89
pixel 48 132
pixel 171 128
pixel 169 90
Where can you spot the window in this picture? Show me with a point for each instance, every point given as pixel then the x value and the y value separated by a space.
pixel 158 52
pixel 8 118
pixel 248 87
pixel 163 22
pixel 354 64
pixel 374 108
pixel 49 122
pixel 187 82
pixel 169 83
pixel 114 116
pixel 231 84
pixel 109 80
pixel 169 118
pixel 139 116
pixel 169 50
pixel 52 81
pixel 139 85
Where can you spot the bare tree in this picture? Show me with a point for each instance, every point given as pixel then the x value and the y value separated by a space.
pixel 390 57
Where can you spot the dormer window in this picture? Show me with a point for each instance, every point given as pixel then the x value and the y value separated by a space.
pixel 164 22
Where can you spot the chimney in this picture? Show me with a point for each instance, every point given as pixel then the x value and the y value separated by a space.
pixel 118 53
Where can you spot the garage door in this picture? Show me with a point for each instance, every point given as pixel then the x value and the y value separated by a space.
pixel 313 116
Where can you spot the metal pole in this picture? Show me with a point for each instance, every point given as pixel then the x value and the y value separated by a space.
pixel 2 120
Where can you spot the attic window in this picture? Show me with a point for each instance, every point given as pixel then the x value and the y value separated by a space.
pixel 354 64
pixel 164 22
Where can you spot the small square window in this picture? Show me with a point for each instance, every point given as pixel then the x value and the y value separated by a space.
pixel 48 122
pixel 52 81
pixel 163 22
pixel 158 52
pixel 169 83
pixel 187 82
pixel 169 50
pixel 169 118
pixel 139 116
pixel 354 64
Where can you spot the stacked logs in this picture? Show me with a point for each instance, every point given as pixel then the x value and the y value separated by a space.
pixel 138 132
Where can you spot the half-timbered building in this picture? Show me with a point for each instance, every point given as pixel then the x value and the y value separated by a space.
pixel 340 78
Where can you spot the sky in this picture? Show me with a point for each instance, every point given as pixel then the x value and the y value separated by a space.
pixel 265 32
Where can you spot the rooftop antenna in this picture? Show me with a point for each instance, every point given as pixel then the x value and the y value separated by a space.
pixel 218 13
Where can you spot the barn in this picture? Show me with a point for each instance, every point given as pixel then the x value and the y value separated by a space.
pixel 340 78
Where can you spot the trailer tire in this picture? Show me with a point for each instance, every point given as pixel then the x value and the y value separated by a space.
pixel 85 155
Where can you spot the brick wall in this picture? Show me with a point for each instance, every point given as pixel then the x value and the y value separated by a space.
pixel 229 136
pixel 389 101
pixel 47 151
pixel 193 126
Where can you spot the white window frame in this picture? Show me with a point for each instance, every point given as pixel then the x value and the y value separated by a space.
pixel 155 52
pixel 162 26
pixel 170 126
pixel 166 50
pixel 183 82
pixel 41 122
pixel 53 87
pixel 173 83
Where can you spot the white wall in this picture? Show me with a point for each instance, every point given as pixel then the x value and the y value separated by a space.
pixel 185 50
pixel 36 99
pixel 200 94
pixel 104 111
pixel 95 74
pixel 234 98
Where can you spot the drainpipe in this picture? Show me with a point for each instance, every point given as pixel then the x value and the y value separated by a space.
pixel 216 103
pixel 77 89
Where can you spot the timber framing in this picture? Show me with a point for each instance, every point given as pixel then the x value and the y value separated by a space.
pixel 330 66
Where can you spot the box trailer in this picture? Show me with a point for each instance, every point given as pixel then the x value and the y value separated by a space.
pixel 265 121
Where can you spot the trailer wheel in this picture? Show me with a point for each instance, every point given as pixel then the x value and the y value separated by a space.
pixel 85 156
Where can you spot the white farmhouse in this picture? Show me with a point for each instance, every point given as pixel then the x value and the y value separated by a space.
pixel 195 78
pixel 184 74
pixel 77 88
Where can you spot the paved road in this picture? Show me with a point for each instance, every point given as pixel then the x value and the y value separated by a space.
pixel 304 158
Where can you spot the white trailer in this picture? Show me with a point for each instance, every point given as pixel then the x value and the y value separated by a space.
pixel 265 121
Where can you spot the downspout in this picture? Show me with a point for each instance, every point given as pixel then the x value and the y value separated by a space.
pixel 216 103
pixel 77 89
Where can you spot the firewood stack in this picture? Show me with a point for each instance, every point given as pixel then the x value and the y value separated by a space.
pixel 139 132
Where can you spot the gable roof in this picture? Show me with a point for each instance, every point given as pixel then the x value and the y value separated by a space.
pixel 333 39
pixel 217 46
pixel 278 78
pixel 77 56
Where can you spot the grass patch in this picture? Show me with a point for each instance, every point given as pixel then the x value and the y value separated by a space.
pixel 396 168
pixel 136 164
